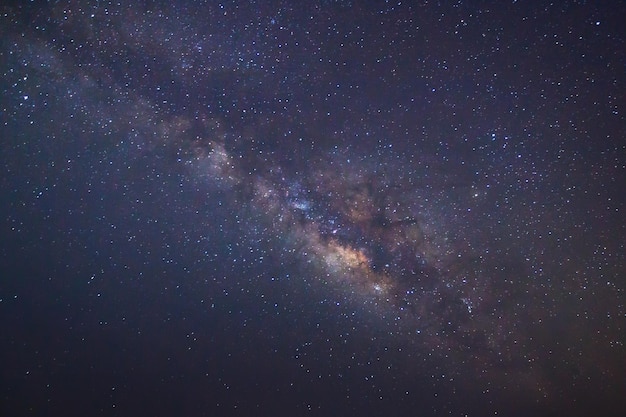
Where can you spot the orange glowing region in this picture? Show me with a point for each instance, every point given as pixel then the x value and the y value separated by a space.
pixel 344 257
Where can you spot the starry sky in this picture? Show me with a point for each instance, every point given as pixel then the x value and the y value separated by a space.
pixel 313 208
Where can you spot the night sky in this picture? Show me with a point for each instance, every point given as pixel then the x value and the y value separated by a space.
pixel 326 208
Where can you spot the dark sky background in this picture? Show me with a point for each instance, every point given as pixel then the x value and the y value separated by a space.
pixel 313 208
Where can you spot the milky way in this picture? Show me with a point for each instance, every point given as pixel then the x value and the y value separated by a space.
pixel 333 207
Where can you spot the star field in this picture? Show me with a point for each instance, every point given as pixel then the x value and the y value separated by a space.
pixel 329 208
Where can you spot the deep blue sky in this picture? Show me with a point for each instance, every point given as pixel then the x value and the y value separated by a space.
pixel 312 208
